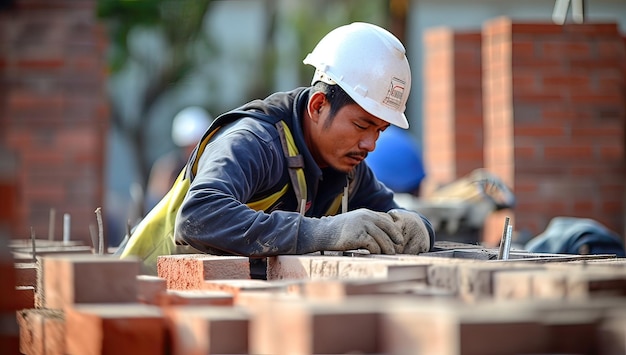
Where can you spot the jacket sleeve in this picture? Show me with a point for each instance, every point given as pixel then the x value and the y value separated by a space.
pixel 213 217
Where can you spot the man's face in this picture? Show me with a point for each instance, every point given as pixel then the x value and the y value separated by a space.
pixel 345 141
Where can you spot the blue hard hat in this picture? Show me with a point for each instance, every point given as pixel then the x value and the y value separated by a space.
pixel 397 160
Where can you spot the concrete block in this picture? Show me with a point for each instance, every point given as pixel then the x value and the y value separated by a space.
pixel 85 278
pixel 209 330
pixel 42 331
pixel 114 329
pixel 189 271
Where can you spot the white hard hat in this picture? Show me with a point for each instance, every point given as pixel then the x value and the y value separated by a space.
pixel 370 65
pixel 189 125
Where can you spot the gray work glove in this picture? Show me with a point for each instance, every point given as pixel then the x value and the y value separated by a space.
pixel 418 237
pixel 358 229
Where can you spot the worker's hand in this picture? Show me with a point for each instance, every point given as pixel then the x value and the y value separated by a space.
pixel 417 237
pixel 358 229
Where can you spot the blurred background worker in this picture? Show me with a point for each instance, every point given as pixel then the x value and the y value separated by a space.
pixel 188 127
pixel 397 161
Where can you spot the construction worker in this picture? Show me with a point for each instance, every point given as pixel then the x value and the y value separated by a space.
pixel 285 175
pixel 188 126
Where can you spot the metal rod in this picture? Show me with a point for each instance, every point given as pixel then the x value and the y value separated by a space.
pixel 507 242
pixel 93 233
pixel 101 245
pixel 51 226
pixel 303 206
pixel 503 239
pixel 66 228
pixel 344 200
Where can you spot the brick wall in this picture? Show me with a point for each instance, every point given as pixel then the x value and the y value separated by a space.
pixel 53 114
pixel 453 144
pixel 555 109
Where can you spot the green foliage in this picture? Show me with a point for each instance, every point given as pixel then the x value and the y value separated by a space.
pixel 330 14
pixel 180 20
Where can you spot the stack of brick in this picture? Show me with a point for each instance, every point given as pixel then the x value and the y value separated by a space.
pixel 540 105
pixel 54 114
pixel 456 301
pixel 9 300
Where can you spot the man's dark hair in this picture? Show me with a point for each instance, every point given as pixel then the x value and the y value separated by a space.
pixel 337 98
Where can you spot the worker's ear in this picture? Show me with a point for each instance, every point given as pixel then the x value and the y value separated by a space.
pixel 316 102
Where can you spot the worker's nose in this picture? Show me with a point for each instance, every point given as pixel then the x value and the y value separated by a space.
pixel 368 142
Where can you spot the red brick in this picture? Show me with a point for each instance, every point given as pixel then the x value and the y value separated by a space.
pixel 613 333
pixel 450 328
pixel 150 288
pixel 25 297
pixel 42 332
pixel 189 271
pixel 318 328
pixel 9 334
pixel 209 330
pixel 114 329
pixel 84 278
pixel 196 298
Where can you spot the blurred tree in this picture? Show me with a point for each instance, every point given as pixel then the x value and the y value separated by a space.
pixel 329 14
pixel 153 46
pixel 177 27
pixel 156 44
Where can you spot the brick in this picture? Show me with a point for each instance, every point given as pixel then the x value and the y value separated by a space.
pixel 318 328
pixel 343 267
pixel 209 330
pixel 552 285
pixel 26 274
pixel 25 297
pixel 288 267
pixel 512 285
pixel 476 282
pixel 42 332
pixel 451 328
pixel 115 329
pixel 9 333
pixel 573 331
pixel 239 287
pixel 591 283
pixel 337 290
pixel 149 288
pixel 195 298
pixel 189 271
pixel 613 333
pixel 85 278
